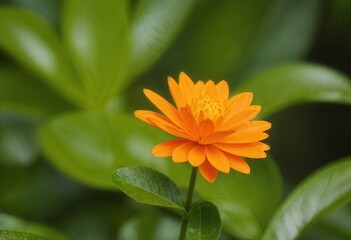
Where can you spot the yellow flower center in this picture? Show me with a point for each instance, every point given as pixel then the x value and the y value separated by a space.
pixel 211 108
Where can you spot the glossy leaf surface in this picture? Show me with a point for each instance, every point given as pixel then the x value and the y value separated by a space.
pixel 293 84
pixel 316 196
pixel 148 186
pixel 204 222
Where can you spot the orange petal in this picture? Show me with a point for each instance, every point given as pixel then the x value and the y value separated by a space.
pixel 238 164
pixel 180 153
pixel 222 89
pixel 251 150
pixel 208 172
pixel 165 107
pixel 244 137
pixel 240 118
pixel 189 121
pixel 239 103
pixel 215 137
pixel 143 116
pixel 165 149
pixel 186 86
pixel 209 89
pixel 254 126
pixel 206 127
pixel 164 124
pixel 176 93
pixel 197 155
pixel 198 89
pixel 217 158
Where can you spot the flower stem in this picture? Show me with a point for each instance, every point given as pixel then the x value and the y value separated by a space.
pixel 187 204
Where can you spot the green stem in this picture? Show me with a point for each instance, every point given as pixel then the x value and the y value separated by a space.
pixel 187 204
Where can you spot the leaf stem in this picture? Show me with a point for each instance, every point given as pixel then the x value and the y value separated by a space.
pixel 187 204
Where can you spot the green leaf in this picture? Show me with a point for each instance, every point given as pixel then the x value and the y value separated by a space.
pixel 96 34
pixel 204 222
pixel 18 146
pixel 31 41
pixel 156 23
pixel 40 101
pixel 148 186
pixel 334 226
pixel 242 200
pixel 14 235
pixel 9 224
pixel 90 147
pixel 294 84
pixel 324 191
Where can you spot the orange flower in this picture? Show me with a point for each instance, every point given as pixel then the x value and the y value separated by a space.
pixel 213 131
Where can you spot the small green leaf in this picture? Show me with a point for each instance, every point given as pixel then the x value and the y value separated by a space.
pixel 14 235
pixel 31 41
pixel 324 191
pixel 204 222
pixel 96 35
pixel 9 224
pixel 156 24
pixel 294 84
pixel 148 186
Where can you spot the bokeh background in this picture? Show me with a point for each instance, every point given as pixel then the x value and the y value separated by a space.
pixel 51 177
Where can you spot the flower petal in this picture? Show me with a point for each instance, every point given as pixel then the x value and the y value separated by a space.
pixel 165 149
pixel 180 153
pixel 176 93
pixel 254 126
pixel 244 137
pixel 222 89
pixel 251 150
pixel 208 172
pixel 217 158
pixel 209 90
pixel 197 155
pixel 189 121
pixel 239 103
pixel 165 107
pixel 143 116
pixel 238 164
pixel 164 124
pixel 186 86
pixel 206 127
pixel 240 118
pixel 215 137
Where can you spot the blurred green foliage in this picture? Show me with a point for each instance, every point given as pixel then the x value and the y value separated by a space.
pixel 72 72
